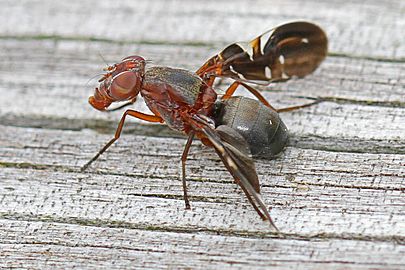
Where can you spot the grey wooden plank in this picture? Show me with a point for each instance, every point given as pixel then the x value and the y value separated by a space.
pixel 156 203
pixel 45 245
pixel 376 122
pixel 337 192
pixel 371 29
pixel 40 146
pixel 64 67
pixel 310 192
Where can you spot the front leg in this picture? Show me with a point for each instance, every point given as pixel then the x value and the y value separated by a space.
pixel 136 114
pixel 132 101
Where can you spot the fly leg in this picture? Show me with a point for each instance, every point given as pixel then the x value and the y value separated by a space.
pixel 183 167
pixel 231 90
pixel 264 216
pixel 293 108
pixel 136 114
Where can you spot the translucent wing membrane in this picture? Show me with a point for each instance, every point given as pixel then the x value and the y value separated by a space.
pixel 292 49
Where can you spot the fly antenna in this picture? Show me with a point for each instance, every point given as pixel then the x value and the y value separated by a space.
pixel 102 57
pixel 92 78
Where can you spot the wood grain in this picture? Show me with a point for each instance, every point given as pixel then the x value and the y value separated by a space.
pixel 336 192
pixel 372 29
pixel 107 247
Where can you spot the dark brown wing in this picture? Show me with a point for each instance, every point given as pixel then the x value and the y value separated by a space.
pixel 292 49
pixel 235 154
pixel 238 150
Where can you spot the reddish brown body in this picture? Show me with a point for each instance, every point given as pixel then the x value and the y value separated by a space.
pixel 176 95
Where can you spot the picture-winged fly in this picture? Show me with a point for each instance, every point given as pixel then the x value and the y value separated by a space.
pixel 236 127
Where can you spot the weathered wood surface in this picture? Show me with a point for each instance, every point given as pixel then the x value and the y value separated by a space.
pixel 337 192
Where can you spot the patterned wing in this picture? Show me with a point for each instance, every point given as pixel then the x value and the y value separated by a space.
pixel 292 49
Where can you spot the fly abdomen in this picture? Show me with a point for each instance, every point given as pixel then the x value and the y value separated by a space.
pixel 261 126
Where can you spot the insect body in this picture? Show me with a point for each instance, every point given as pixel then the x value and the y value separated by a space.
pixel 185 102
pixel 235 127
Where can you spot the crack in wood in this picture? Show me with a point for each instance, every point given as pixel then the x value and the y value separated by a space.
pixel 366 57
pixel 339 100
pixel 59 168
pixel 57 38
pixel 397 239
pixel 50 243
pixel 313 141
pixel 218 45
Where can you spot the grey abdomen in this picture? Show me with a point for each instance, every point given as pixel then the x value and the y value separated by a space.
pixel 261 127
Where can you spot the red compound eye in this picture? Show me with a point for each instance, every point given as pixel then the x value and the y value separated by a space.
pixel 125 85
